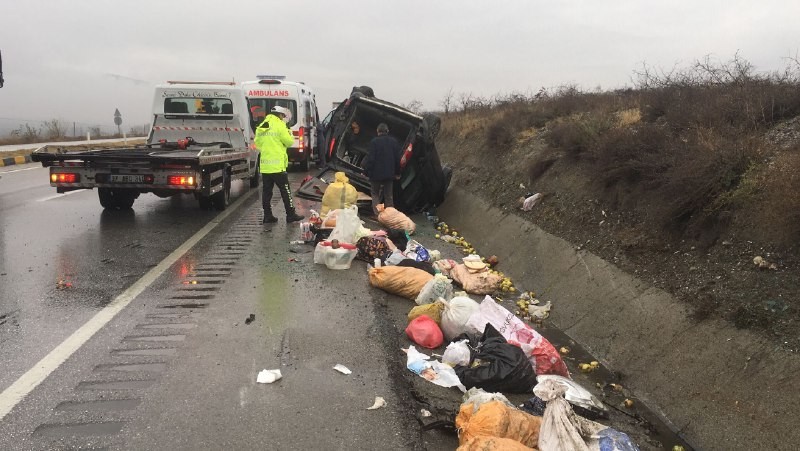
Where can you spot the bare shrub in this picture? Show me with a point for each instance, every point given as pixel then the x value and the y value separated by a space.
pixel 54 128
pixel 579 133
pixel 539 167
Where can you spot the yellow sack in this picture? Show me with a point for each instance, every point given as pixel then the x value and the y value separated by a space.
pixel 403 281
pixel 483 443
pixel 434 311
pixel 339 194
pixel 495 419
pixel 393 218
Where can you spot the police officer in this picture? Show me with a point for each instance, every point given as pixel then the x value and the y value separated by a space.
pixel 272 140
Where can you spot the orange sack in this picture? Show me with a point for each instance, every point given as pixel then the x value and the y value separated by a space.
pixel 393 218
pixel 483 443
pixel 403 281
pixel 495 419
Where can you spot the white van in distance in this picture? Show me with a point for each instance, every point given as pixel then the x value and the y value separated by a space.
pixel 269 91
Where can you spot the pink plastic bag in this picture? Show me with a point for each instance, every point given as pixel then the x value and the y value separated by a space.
pixel 425 332
pixel 542 355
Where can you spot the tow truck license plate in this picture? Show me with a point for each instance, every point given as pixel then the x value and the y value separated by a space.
pixel 124 178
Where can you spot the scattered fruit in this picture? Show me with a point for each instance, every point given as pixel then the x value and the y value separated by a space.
pixel 628 403
pixel 585 367
pixel 564 350
pixel 594 364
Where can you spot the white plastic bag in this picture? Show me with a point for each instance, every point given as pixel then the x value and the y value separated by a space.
pixel 395 258
pixel 478 397
pixel 563 430
pixel 432 370
pixel 456 353
pixel 438 287
pixel 530 202
pixel 347 225
pixel 457 312
pixel 319 253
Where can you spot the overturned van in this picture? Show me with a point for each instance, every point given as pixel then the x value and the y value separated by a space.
pixel 350 128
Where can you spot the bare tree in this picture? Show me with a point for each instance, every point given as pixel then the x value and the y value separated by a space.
pixel 448 101
pixel 414 105
pixel 95 131
pixel 28 133
pixel 54 128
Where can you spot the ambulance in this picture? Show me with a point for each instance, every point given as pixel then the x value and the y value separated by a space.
pixel 274 90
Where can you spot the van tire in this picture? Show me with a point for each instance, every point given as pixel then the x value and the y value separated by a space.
pixel 304 164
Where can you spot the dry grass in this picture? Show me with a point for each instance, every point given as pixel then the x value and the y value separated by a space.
pixel 686 148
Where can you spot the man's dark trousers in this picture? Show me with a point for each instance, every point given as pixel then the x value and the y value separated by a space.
pixel 282 180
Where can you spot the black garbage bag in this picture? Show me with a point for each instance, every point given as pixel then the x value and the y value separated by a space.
pixel 398 237
pixel 497 366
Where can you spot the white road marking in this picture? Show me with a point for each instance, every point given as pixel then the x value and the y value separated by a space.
pixel 20 170
pixel 56 196
pixel 36 375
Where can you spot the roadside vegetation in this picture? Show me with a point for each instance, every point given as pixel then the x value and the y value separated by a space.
pixel 58 130
pixel 691 160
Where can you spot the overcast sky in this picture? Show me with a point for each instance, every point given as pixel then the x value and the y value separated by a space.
pixel 79 60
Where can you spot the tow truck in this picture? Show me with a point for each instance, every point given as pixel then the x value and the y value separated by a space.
pixel 200 141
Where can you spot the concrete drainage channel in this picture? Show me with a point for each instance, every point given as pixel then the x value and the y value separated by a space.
pixel 144 353
pixel 722 387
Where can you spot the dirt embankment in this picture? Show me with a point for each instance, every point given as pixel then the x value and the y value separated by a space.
pixel 683 183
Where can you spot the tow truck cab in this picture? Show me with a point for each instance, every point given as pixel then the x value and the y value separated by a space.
pixel 209 112
pixel 269 91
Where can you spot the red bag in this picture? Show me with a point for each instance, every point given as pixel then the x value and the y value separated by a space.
pixel 425 332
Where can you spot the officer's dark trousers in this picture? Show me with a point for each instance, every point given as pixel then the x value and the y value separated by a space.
pixel 282 180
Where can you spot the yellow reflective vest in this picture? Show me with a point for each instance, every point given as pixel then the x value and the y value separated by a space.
pixel 272 140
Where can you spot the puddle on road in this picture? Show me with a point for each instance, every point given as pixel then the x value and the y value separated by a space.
pixel 79 429
pixel 189 305
pixel 116 385
pixel 109 405
pixel 273 298
pixel 146 352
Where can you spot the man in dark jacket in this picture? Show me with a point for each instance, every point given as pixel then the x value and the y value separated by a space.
pixel 382 167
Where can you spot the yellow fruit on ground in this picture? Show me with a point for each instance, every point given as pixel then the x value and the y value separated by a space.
pixel 564 350
pixel 585 367
pixel 512 289
pixel 437 236
pixel 628 403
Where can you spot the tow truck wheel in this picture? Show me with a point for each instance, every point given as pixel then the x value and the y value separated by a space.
pixel 205 203
pixel 222 198
pixel 256 178
pixel 116 199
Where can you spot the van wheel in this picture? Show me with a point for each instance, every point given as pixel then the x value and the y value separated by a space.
pixel 304 164
pixel 222 198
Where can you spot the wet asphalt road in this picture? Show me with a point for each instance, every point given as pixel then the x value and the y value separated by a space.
pixel 176 368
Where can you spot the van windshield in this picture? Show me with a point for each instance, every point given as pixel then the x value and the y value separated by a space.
pixel 259 108
pixel 197 106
